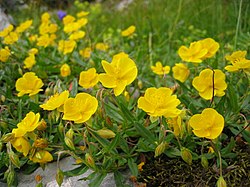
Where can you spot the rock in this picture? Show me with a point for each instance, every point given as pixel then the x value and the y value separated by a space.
pixel 49 175
pixel 4 20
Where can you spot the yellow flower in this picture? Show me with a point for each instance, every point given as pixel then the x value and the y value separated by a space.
pixel 11 38
pixel 22 145
pixel 33 51
pixel 82 14
pixel 209 82
pixel 159 102
pixel 42 156
pixel 238 61
pixel 82 22
pixel 24 26
pixel 66 46
pixel 46 40
pixel 45 17
pixel 28 124
pixel 102 46
pixel 6 31
pixel 77 35
pixel 71 27
pixel 208 124
pixel 33 38
pixel 56 101
pixel 65 70
pixel 4 54
pixel 68 19
pixel 121 72
pixel 80 108
pixel 89 78
pixel 159 69
pixel 195 53
pixel 85 53
pixel 29 62
pixel 211 46
pixel 28 84
pixel 129 31
pixel 180 72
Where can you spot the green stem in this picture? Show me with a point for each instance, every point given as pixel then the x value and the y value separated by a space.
pixel 238 25
pixel 219 155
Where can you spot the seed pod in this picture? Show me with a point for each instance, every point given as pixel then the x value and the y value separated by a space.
pixel 221 182
pixel 106 133
pixel 160 148
pixel 186 155
pixel 42 125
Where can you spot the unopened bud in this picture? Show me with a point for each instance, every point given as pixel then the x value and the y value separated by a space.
pixel 204 162
pixel 59 176
pixel 186 155
pixel 7 137
pixel 160 148
pixel 140 84
pixel 60 130
pixel 106 133
pixel 70 134
pixel 14 159
pixel 69 143
pixel 221 182
pixel 1 146
pixel 42 125
pixel 3 98
pixel 40 143
pixel 10 178
pixel 20 71
pixel 48 91
pixel 90 161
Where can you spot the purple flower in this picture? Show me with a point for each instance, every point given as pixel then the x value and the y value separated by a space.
pixel 61 14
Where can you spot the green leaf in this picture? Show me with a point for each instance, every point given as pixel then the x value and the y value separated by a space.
pixel 229 147
pixel 133 167
pixel 112 111
pixel 144 132
pixel 77 171
pixel 119 179
pixel 246 135
pixel 173 152
pixel 233 99
pixel 74 90
pixel 126 113
pixel 27 169
pixel 97 180
pixel 114 142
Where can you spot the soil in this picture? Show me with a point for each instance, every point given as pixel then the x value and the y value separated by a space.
pixel 164 171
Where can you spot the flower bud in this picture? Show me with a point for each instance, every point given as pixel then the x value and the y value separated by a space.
pixel 3 98
pixel 69 143
pixel 59 176
pixel 42 125
pixel 221 182
pixel 106 133
pixel 40 143
pixel 90 161
pixel 186 155
pixel 140 84
pixel 10 177
pixel 7 137
pixel 70 134
pixel 160 148
pixel 14 159
pixel 204 162
pixel 1 146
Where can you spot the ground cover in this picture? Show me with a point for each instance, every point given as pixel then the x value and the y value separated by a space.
pixel 159 87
